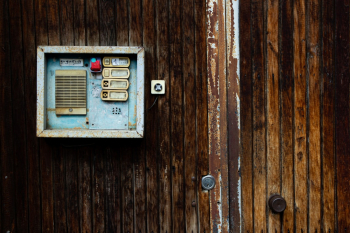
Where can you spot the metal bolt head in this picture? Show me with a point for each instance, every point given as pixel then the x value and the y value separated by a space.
pixel 158 87
pixel 71 109
pixel 277 203
pixel 208 182
pixel 193 204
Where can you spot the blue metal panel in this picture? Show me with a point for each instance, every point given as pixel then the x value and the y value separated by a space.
pixel 100 114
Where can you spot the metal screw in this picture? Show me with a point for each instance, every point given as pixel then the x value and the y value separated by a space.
pixel 71 110
pixel 193 204
pixel 193 178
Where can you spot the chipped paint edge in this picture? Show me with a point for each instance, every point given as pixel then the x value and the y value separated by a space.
pixel 41 130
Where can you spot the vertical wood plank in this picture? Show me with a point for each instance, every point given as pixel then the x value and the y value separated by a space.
pixel 98 199
pixel 328 139
pixel 29 54
pixel 314 53
pixel 224 202
pixel 201 114
pixel 135 39
pixel 41 31
pixel 342 113
pixel 246 113
pixel 113 187
pixel 300 153
pixel 149 37
pixel 107 22
pixel 213 114
pixel 165 214
pixel 67 22
pixel 8 217
pixel 272 111
pixel 53 22
pixel 19 117
pixel 92 23
pixel 189 116
pixel 85 191
pixel 127 188
pixel 286 83
pixel 122 22
pixel 259 129
pixel 72 199
pixel 177 142
pixel 79 22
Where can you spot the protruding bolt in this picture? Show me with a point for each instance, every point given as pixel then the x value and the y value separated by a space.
pixel 277 203
pixel 193 178
pixel 193 204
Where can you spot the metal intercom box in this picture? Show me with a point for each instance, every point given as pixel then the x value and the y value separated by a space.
pixel 90 91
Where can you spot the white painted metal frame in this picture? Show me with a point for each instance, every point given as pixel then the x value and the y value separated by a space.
pixel 41 130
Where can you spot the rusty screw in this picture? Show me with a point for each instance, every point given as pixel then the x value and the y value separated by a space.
pixel 193 204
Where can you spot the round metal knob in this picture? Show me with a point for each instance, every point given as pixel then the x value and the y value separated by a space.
pixel 277 203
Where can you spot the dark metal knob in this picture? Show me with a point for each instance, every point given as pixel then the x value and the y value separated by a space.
pixel 277 203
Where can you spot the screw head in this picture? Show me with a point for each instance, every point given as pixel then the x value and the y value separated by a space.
pixel 71 109
pixel 158 87
pixel 193 204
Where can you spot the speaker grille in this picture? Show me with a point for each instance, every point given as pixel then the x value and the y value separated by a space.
pixel 70 92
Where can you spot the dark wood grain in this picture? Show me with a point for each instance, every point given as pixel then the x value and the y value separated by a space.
pixel 342 74
pixel 272 111
pixel 201 115
pixel 98 188
pixel 92 23
pixel 19 116
pixel 328 97
pixel 300 114
pixel 151 116
pixel 8 214
pixel 53 22
pixel 314 163
pixel 122 22
pixel 259 128
pixel 176 117
pixel 107 22
pixel 246 111
pixel 67 22
pixel 29 54
pixel 286 83
pixel 79 22
pixel 165 213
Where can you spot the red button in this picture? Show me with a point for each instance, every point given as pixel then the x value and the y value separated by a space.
pixel 96 66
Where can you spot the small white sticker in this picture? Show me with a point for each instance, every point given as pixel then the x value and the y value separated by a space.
pixel 71 62
pixel 119 61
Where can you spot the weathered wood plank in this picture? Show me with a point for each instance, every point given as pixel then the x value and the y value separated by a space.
pixel 286 83
pixel 224 190
pixel 190 180
pixel 342 133
pixel 107 22
pixel 314 105
pixel 127 182
pixel 18 116
pixel 85 191
pixel 135 39
pixel 122 22
pixel 213 115
pixel 67 22
pixel 300 112
pixel 92 23
pixel 29 54
pixel 151 116
pixel 246 111
pixel 272 111
pixel 8 214
pixel 201 114
pixel 259 128
pixel 165 213
pixel 98 188
pixel 79 22
pixel 176 128
pixel 72 186
pixel 53 22
pixel 327 137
